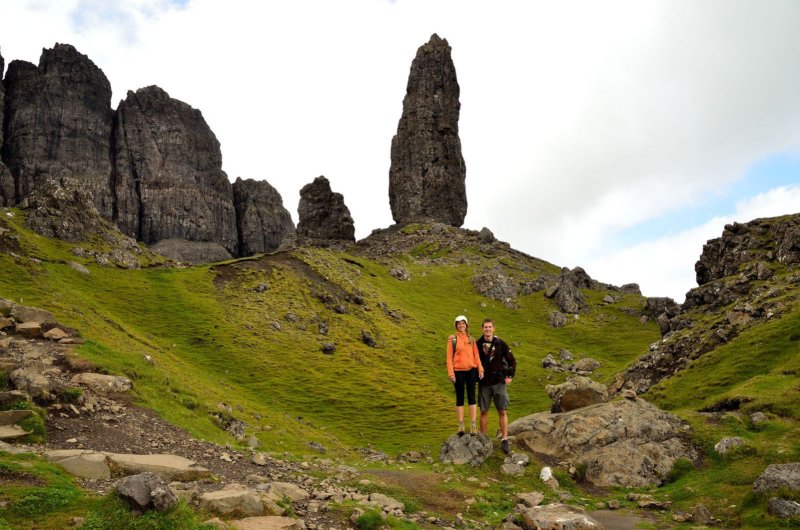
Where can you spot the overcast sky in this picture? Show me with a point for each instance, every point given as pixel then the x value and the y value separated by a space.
pixel 618 136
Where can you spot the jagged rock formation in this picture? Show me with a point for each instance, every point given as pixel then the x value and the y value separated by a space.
pixel 261 220
pixel 731 298
pixel 169 180
pixel 426 179
pixel 58 124
pixel 324 218
pixel 154 168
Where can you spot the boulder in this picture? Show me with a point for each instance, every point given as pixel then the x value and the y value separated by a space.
pixel 531 498
pixel 323 217
pixel 233 498
pixel 31 381
pixel 783 508
pixel 778 476
pixel 55 334
pixel 11 432
pixel 628 443
pixel 575 393
pixel 471 449
pixel 427 174
pixel 168 467
pixel 558 517
pixel 279 490
pixel 10 417
pixel 194 252
pixel 587 364
pixel 146 491
pixel 512 469
pixel 725 445
pixel 271 522
pixel 30 330
pixel 102 384
pixel 169 181
pixel 58 124
pixel 22 313
pixel 81 463
pixel 557 319
pixel 262 221
pixel 386 503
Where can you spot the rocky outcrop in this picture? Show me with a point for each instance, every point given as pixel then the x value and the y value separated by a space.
pixel 749 244
pixel 324 218
pixel 558 516
pixel 191 251
pixel 566 293
pixel 628 443
pixel 169 181
pixel 427 175
pixel 261 220
pixel 63 209
pixel 746 280
pixel 58 124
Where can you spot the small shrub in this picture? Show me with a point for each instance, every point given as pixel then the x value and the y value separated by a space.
pixel 34 423
pixel 371 520
pixel 42 500
pixel 680 467
pixel 190 403
pixel 3 380
pixel 580 472
pixel 71 395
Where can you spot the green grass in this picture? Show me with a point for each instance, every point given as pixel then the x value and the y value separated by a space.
pixel 215 338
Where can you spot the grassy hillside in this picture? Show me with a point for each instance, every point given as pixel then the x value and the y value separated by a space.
pixel 249 333
pixel 217 337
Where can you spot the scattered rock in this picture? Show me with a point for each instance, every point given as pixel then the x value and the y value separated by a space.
pixel 78 267
pixel 557 319
pixel 268 522
pixel 102 384
pixel 233 498
pixel 587 364
pixel 328 348
pixel 725 445
pixel 400 273
pixel 366 338
pixel 530 499
pixel 701 515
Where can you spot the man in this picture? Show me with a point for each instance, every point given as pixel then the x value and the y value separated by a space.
pixel 500 366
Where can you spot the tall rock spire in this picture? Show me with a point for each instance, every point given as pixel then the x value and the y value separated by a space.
pixel 427 176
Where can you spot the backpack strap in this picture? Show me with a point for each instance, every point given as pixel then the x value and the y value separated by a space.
pixel 455 340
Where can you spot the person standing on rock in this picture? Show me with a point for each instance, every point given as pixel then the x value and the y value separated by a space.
pixel 465 369
pixel 500 366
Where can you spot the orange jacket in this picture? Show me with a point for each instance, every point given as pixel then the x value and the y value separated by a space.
pixel 466 357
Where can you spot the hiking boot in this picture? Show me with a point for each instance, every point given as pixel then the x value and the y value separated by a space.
pixel 473 429
pixel 506 446
pixel 461 428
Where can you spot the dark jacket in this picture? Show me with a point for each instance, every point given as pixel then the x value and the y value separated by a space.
pixel 498 362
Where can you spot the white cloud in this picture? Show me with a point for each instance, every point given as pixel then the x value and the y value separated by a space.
pixel 660 266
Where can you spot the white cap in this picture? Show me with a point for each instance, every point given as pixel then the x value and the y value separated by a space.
pixel 461 317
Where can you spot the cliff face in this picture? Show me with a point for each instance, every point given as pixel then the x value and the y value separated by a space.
pixel 153 167
pixel 169 181
pixel 262 221
pixel 7 189
pixel 427 175
pixel 58 124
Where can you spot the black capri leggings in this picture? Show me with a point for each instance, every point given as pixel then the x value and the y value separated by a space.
pixel 470 379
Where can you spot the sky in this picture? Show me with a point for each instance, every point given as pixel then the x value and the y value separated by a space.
pixel 618 136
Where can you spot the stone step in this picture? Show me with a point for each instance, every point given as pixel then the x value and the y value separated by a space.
pixel 11 432
pixel 10 417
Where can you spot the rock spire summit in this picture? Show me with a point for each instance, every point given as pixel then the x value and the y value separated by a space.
pixel 427 175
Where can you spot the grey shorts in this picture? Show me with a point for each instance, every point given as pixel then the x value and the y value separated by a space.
pixel 497 393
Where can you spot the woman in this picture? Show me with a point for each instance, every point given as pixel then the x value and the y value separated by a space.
pixel 464 368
